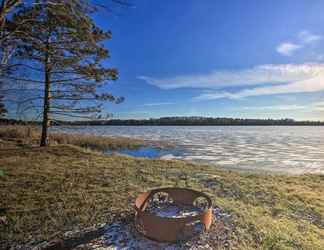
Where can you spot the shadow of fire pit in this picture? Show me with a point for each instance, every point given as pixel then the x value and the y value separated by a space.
pixel 172 214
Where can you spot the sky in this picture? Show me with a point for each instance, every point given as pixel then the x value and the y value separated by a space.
pixel 247 59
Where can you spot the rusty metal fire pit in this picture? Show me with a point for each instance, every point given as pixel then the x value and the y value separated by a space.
pixel 172 229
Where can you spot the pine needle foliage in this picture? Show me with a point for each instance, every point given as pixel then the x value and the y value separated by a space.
pixel 63 50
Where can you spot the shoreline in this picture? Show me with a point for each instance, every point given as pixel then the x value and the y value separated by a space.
pixel 127 145
pixel 50 191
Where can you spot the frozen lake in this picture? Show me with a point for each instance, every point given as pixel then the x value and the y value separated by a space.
pixel 289 149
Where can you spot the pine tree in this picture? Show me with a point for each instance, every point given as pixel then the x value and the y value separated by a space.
pixel 6 7
pixel 63 49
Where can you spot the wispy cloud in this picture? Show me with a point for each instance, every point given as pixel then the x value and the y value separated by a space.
pixel 133 112
pixel 276 107
pixel 287 48
pixel 157 104
pixel 307 37
pixel 303 39
pixel 262 74
pixel 313 106
pixel 310 85
pixel 275 79
pixel 318 106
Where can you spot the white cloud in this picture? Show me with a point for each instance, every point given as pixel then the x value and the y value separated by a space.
pixel 318 106
pixel 304 38
pixel 157 104
pixel 307 37
pixel 287 48
pixel 310 85
pixel 262 74
pixel 313 106
pixel 275 79
pixel 277 107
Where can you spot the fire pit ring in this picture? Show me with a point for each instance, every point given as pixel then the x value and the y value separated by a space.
pixel 169 229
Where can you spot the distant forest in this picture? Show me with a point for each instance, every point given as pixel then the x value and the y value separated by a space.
pixel 177 121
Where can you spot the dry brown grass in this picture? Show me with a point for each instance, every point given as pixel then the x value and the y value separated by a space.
pixel 30 135
pixel 45 192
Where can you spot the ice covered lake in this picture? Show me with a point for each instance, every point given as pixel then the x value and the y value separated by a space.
pixel 290 149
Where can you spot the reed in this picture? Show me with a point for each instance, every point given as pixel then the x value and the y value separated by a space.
pixel 30 135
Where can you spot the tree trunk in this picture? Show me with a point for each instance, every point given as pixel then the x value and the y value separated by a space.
pixel 46 108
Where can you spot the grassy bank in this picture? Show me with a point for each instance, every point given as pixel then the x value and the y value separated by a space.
pixel 45 192
pixel 30 135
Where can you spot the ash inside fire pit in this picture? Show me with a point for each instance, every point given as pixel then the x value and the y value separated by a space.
pixel 163 206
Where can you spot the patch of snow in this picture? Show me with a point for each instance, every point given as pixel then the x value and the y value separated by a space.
pixel 122 235
pixel 173 211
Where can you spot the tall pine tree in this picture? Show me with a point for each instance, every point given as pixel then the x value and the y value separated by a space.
pixel 63 49
pixel 6 46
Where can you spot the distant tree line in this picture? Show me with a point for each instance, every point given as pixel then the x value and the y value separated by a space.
pixel 198 121
pixel 5 121
pixel 184 121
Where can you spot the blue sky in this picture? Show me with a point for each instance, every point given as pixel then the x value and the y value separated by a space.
pixel 253 59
